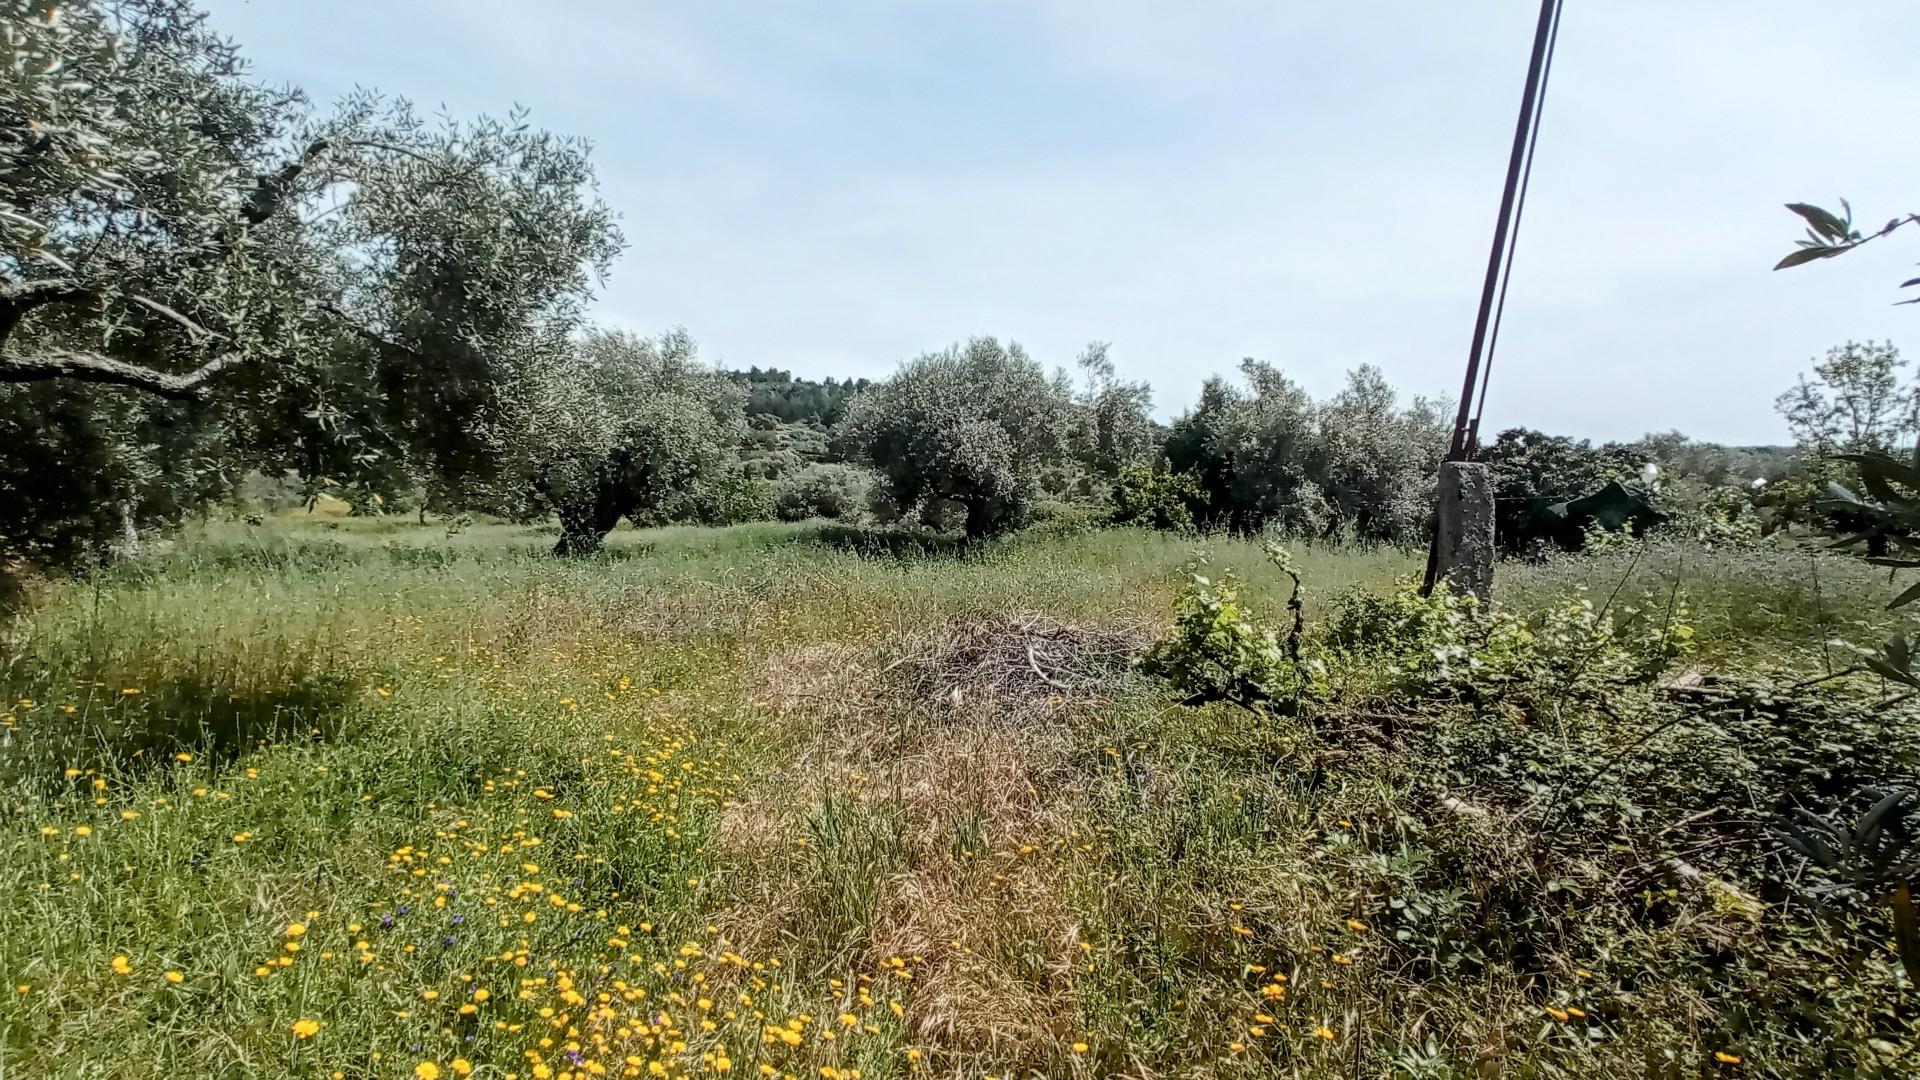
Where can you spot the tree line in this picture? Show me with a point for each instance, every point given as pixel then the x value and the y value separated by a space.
pixel 205 278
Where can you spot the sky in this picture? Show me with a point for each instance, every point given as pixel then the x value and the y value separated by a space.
pixel 834 187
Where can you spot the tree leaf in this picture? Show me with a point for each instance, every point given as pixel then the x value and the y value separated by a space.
pixel 1807 255
pixel 1898 652
pixel 1884 466
pixel 1907 597
pixel 1828 225
pixel 1906 931
pixel 1890 673
pixel 1866 832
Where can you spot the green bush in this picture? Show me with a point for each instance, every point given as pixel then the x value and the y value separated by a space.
pixel 1448 642
pixel 1218 649
pixel 1157 498
pixel 831 491
pixel 975 426
pixel 728 497
pixel 1531 822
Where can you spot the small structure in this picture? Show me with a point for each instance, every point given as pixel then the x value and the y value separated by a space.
pixel 1565 523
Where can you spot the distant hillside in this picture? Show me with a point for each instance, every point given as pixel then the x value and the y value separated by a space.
pixel 776 393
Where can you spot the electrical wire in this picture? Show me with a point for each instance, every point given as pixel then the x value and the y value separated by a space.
pixel 1513 237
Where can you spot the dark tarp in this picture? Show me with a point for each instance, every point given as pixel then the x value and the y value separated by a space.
pixel 1612 507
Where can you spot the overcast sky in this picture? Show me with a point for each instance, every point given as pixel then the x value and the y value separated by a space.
pixel 834 187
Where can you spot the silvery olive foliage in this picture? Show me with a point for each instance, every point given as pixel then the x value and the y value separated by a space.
pixel 832 490
pixel 1379 457
pixel 1270 457
pixel 622 426
pixel 201 274
pixel 1113 428
pixel 973 426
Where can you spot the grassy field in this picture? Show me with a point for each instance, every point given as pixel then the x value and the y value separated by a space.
pixel 363 799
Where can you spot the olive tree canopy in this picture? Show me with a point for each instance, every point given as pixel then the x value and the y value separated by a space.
pixel 974 425
pixel 279 287
pixel 623 425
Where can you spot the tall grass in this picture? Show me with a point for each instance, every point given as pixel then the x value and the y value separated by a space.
pixel 464 806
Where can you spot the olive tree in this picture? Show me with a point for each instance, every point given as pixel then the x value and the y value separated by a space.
pixel 1113 423
pixel 186 251
pixel 621 426
pixel 1200 445
pixel 974 425
pixel 1256 453
pixel 1270 457
pixel 1378 457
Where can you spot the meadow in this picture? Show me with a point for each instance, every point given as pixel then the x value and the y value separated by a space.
pixel 365 798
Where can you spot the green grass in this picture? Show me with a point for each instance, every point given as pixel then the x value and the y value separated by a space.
pixel 669 803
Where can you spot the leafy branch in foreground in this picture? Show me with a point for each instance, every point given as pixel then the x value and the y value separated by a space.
pixel 1830 234
pixel 1877 856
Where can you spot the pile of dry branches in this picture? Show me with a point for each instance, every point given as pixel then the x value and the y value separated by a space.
pixel 1016 659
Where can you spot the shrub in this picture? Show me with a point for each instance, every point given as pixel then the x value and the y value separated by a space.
pixel 1218 650
pixel 1157 498
pixel 725 497
pixel 1449 643
pixel 834 492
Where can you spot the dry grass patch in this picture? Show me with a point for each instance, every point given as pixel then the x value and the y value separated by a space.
pixel 922 816
pixel 981 897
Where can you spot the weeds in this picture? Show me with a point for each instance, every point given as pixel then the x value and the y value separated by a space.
pixel 737 831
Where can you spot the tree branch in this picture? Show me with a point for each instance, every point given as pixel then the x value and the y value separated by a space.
pixel 367 334
pixel 271 190
pixel 95 368
pixel 33 293
pixel 194 329
pixel 18 299
pixel 394 148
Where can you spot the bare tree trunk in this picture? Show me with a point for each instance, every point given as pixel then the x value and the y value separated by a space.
pixel 127 544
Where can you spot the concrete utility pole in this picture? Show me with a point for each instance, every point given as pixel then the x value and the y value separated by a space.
pixel 1463 535
pixel 1463 531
